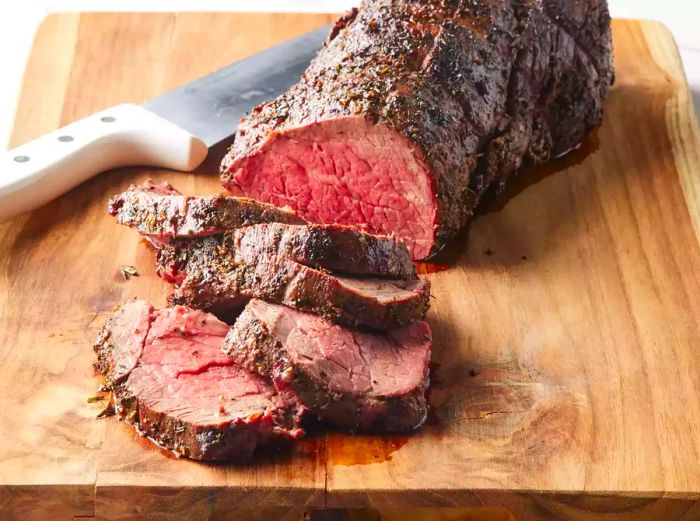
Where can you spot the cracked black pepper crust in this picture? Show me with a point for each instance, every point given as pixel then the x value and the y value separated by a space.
pixel 483 88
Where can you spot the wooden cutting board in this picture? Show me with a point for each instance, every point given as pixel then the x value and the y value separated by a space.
pixel 566 380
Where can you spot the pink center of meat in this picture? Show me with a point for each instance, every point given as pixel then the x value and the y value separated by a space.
pixel 182 372
pixel 345 171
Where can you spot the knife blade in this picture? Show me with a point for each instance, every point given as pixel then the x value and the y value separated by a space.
pixel 173 130
pixel 210 107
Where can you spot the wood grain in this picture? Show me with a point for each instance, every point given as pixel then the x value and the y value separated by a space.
pixel 566 381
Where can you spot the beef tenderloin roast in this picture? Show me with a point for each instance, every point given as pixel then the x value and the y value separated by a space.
pixel 413 109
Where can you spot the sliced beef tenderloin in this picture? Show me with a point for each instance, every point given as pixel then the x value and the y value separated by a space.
pixel 356 380
pixel 212 275
pixel 413 109
pixel 160 211
pixel 171 380
pixel 333 247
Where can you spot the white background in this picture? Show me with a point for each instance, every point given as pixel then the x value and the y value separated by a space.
pixel 20 18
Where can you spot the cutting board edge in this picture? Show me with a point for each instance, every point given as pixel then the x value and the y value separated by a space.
pixel 474 497
pixel 62 500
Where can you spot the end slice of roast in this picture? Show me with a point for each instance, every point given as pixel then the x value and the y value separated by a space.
pixel 160 211
pixel 171 380
pixel 414 109
pixel 213 275
pixel 356 380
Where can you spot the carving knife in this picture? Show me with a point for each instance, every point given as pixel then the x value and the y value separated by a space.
pixel 174 130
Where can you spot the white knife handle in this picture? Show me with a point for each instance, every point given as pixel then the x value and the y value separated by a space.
pixel 126 135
